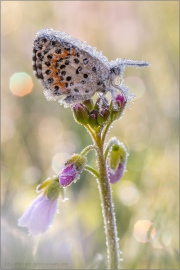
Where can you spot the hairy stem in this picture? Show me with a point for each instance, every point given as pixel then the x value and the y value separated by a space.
pixel 91 132
pixel 86 150
pixel 107 209
pixel 105 131
pixel 92 171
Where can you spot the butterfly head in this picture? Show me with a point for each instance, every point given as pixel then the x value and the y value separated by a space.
pixel 116 76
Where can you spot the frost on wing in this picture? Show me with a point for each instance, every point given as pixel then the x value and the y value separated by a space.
pixel 68 67
pixel 73 71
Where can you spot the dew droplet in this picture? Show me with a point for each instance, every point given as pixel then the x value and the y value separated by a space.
pixel 64 197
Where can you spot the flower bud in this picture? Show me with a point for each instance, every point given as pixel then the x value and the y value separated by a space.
pixel 81 114
pixel 117 106
pixel 89 104
pixel 120 100
pixel 117 162
pixel 103 116
pixel 116 175
pixel 93 119
pixel 118 153
pixel 101 103
pixel 72 169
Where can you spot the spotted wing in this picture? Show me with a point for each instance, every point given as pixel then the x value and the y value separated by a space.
pixel 66 67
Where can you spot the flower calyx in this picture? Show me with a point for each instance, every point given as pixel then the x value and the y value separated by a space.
pixel 50 188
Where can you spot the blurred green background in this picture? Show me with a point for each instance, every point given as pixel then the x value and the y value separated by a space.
pixel 38 135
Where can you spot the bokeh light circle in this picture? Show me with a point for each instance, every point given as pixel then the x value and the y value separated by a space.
pixel 21 84
pixel 141 230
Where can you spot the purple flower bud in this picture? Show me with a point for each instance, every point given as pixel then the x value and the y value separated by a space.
pixel 117 106
pixel 68 175
pixel 117 159
pixel 39 215
pixel 120 100
pixel 116 175
pixel 72 170
pixel 81 114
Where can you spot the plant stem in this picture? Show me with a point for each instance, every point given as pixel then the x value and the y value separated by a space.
pixel 104 134
pixel 86 150
pixel 107 209
pixel 92 171
pixel 106 198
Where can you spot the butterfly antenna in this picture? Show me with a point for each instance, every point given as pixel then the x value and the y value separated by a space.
pixel 125 62
pixel 130 63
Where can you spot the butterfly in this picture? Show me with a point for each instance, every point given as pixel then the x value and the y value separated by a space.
pixel 74 71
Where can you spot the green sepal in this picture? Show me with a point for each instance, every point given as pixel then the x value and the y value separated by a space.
pixel 118 154
pixel 50 187
pixel 78 160
pixel 53 190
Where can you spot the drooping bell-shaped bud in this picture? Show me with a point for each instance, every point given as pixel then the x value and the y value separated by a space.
pixel 73 167
pixel 116 175
pixel 117 162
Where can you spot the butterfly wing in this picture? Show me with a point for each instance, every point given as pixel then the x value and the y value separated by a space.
pixel 69 67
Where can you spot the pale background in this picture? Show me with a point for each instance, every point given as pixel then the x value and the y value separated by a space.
pixel 37 136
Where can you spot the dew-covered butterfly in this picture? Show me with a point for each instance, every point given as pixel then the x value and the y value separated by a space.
pixel 75 71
